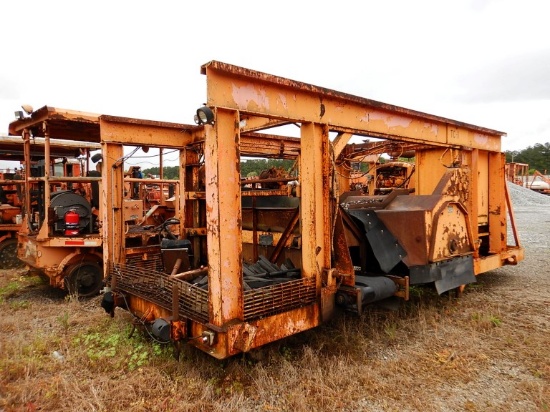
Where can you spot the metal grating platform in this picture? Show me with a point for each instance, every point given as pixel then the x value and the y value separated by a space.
pixel 156 287
pixel 270 300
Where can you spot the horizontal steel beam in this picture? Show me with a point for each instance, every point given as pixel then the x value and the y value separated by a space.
pixel 137 132
pixel 264 95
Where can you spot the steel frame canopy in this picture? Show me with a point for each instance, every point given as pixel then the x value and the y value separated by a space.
pixel 61 124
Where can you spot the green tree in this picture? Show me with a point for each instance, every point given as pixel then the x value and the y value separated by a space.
pixel 248 167
pixel 259 165
pixel 537 157
pixel 170 172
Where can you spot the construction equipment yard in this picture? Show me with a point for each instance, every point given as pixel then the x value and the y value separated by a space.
pixel 396 272
pixel 486 351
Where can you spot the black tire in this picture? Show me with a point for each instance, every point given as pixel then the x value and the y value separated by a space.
pixel 8 255
pixel 84 279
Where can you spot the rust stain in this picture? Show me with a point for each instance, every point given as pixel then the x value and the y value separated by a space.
pixel 495 212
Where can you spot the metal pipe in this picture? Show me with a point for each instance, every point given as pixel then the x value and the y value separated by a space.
pixel 190 274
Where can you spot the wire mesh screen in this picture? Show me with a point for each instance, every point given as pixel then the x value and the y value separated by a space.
pixel 270 300
pixel 156 287
pixel 145 281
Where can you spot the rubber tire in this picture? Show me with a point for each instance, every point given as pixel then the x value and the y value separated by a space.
pixel 8 255
pixel 84 279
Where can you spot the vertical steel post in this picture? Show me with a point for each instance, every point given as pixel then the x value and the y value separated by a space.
pixel 473 203
pixel 112 188
pixel 316 229
pixel 43 230
pixel 27 192
pixel 223 218
pixel 497 203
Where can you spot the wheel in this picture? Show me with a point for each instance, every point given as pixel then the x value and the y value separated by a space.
pixel 8 255
pixel 84 279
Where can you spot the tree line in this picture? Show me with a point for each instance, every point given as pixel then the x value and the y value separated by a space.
pixel 537 157
pixel 252 167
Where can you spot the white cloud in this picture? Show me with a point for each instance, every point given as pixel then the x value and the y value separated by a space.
pixel 523 77
pixel 481 62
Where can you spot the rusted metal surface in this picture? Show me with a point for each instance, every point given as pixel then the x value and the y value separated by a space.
pixel 264 192
pixel 510 209
pixel 285 236
pixel 129 131
pixel 252 144
pixel 10 215
pixel 147 282
pixel 47 134
pixel 497 203
pixel 265 145
pixel 252 92
pixel 342 259
pixel 156 287
pixel 430 228
pixel 455 183
pixel 190 274
pixel 49 255
pixel 315 222
pixel 62 124
pixel 275 219
pixel 279 298
pixel 224 218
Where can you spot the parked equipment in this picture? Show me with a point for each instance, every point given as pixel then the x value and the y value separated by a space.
pixel 59 235
pixel 539 183
pixel 229 264
pixel 65 223
pixel 517 173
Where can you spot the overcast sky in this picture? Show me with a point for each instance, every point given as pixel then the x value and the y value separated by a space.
pixel 485 62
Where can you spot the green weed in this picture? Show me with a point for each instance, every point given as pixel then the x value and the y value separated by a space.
pixel 390 330
pixel 19 304
pixel 9 290
pixel 63 320
pixel 124 352
pixel 495 321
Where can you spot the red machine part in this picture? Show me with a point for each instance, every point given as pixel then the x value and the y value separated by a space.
pixel 72 220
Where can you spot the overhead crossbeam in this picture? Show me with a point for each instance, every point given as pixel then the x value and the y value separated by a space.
pixel 255 93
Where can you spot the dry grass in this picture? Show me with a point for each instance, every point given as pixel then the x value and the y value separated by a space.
pixel 477 353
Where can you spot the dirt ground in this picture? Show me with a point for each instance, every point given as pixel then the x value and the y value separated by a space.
pixel 487 350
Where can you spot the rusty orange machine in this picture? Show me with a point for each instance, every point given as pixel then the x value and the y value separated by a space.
pixel 12 190
pixel 539 183
pixel 255 262
pixel 53 146
pixel 517 173
pixel 63 232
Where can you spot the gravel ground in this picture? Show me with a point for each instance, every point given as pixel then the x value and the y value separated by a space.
pixel 532 212
pixel 526 286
